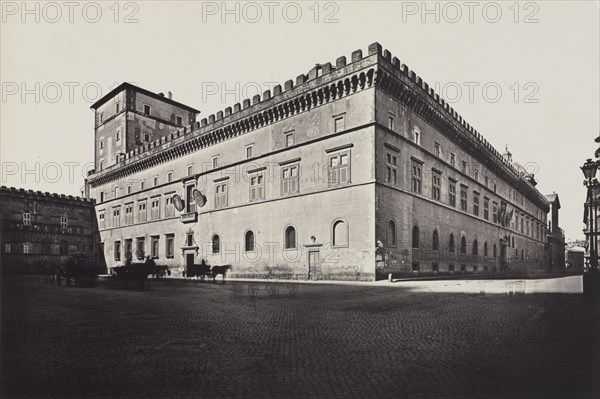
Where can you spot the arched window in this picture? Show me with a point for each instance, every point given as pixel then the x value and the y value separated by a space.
pixel 415 237
pixel 475 247
pixel 290 237
pixel 340 234
pixel 216 244
pixel 463 245
pixel 249 241
pixel 495 251
pixel 391 233
pixel 451 243
pixel 485 249
pixel 435 244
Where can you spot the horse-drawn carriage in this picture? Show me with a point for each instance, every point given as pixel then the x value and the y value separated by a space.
pixel 136 274
pixel 79 271
pixel 204 270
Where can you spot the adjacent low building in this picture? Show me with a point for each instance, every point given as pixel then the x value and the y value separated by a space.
pixel 39 230
pixel 353 171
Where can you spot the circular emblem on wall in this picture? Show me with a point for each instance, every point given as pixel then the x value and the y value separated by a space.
pixel 199 198
pixel 178 202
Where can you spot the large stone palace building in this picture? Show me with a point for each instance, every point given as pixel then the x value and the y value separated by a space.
pixel 351 171
pixel 40 230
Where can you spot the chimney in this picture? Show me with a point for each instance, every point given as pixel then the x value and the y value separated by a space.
pixel 170 95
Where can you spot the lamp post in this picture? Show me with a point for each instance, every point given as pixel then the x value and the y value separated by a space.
pixel 591 278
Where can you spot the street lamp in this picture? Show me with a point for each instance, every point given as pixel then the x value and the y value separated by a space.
pixel 591 278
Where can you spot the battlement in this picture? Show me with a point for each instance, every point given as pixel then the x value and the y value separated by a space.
pixel 44 195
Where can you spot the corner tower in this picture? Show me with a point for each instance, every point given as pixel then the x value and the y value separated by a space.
pixel 129 117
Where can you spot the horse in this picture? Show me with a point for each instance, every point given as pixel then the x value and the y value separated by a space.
pixel 222 270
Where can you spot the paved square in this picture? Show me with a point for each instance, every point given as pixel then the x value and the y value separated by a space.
pixel 253 339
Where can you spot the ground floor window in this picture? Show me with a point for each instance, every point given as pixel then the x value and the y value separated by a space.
pixel 170 246
pixel 154 247
pixel 117 250
pixel 415 266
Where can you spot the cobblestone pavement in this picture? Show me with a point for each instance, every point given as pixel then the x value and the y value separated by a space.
pixel 254 339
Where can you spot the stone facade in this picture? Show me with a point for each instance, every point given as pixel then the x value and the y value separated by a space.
pixel 39 231
pixel 352 171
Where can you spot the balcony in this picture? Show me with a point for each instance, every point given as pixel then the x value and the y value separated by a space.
pixel 190 217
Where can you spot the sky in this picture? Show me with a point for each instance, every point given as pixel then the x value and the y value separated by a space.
pixel 524 74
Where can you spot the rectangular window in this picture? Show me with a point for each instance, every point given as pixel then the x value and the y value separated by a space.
pixel 129 189
pixel 117 250
pixel 338 168
pixel 339 124
pixel 452 193
pixel 476 174
pixel 142 213
pixel 140 251
pixel 146 109
pixel 463 198
pixel 453 159
pixel 117 216
pixel 7 248
pixel 101 196
pixel 189 198
pixel 417 136
pixel 464 166
pixel 436 185
pixel 146 137
pixel 118 135
pixel 26 219
pixel 101 117
pixel 169 177
pixel 190 170
pixel 142 185
pixel 64 221
pixel 155 208
pixel 486 208
pixel 486 181
pixel 101 144
pixel 391 164
pixel 178 120
pixel 155 181
pixel 101 220
pixel 117 108
pixel 116 191
pixel 391 122
pixel 289 139
pixel 129 214
pixel 248 151
pixel 221 195
pixel 215 162
pixel 101 165
pixel 170 245
pixel 416 177
pixel 257 186
pixel 154 244
pixel 169 207
pixel 476 204
pixel 437 149
pixel 289 179
pixel 495 212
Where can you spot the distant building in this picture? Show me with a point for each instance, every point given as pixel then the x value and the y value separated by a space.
pixel 352 171
pixel 574 257
pixel 39 231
